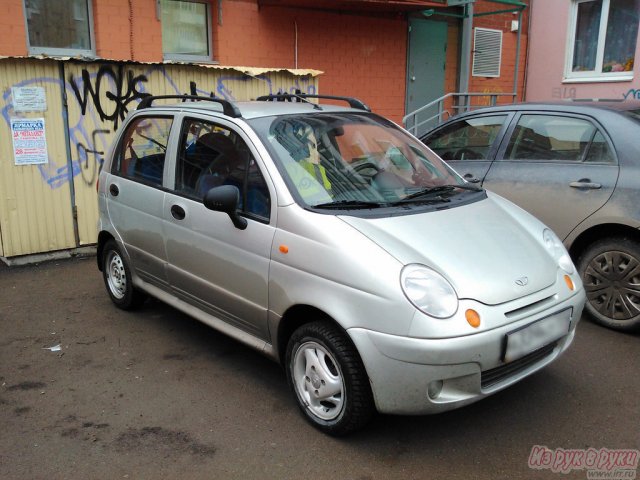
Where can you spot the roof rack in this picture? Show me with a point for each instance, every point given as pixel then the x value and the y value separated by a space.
pixel 289 97
pixel 228 108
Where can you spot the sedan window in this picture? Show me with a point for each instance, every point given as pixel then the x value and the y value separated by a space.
pixel 558 138
pixel 469 139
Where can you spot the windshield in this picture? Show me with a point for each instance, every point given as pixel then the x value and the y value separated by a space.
pixel 354 161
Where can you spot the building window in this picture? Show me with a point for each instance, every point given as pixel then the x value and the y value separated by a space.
pixel 602 41
pixel 59 27
pixel 186 30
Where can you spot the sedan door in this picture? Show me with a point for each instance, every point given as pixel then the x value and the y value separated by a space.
pixel 470 144
pixel 559 167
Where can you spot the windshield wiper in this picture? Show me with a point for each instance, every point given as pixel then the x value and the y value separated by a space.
pixel 347 204
pixel 434 190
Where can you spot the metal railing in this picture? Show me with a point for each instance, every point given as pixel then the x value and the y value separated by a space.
pixel 433 113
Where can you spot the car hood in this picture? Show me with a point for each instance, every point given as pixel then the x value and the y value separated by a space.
pixel 485 249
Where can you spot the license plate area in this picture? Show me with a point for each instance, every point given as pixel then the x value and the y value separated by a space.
pixel 536 335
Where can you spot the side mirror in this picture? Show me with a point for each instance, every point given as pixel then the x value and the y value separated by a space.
pixel 225 198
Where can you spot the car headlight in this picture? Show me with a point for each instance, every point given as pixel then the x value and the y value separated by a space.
pixel 428 291
pixel 557 250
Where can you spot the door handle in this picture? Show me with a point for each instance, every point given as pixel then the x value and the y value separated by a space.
pixel 585 184
pixel 178 212
pixel 114 190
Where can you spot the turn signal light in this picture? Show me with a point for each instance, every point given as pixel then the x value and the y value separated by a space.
pixel 473 318
pixel 284 249
pixel 569 282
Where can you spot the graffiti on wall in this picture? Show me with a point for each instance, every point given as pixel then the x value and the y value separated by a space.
pixel 109 91
pixel 104 97
pixel 632 94
pixel 563 93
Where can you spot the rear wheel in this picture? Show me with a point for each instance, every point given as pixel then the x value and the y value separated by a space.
pixel 117 278
pixel 610 271
pixel 328 378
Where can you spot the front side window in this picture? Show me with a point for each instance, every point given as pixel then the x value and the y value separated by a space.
pixel 186 30
pixel 210 156
pixel 355 161
pixel 603 39
pixel 142 150
pixel 59 27
pixel 469 139
pixel 556 138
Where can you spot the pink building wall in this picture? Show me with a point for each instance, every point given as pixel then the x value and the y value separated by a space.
pixel 548 43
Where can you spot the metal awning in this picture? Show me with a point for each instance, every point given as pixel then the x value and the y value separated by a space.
pixel 358 5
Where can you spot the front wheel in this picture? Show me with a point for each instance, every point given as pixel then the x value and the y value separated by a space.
pixel 327 376
pixel 610 271
pixel 117 278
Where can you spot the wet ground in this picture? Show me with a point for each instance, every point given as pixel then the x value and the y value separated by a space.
pixel 154 394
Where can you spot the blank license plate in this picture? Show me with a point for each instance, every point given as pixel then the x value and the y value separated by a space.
pixel 536 335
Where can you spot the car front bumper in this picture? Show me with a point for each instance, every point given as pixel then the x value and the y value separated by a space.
pixel 422 376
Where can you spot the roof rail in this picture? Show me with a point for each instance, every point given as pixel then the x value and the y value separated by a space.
pixel 289 97
pixel 228 108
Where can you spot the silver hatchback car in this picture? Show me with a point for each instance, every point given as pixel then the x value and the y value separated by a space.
pixel 337 244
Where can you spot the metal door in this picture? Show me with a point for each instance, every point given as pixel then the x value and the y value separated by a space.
pixel 426 63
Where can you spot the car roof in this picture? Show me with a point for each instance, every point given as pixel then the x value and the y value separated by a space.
pixel 253 109
pixel 586 107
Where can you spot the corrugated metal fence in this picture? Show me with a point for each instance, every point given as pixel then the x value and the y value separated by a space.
pixel 53 206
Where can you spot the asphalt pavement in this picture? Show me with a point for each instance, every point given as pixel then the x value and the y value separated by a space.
pixel 154 394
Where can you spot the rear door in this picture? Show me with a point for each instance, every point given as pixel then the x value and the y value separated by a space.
pixel 470 144
pixel 135 194
pixel 213 265
pixel 559 167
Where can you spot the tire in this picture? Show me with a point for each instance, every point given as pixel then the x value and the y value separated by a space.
pixel 328 379
pixel 117 278
pixel 610 272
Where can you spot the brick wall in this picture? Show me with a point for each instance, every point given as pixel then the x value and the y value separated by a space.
pixel 13 39
pixel 504 83
pixel 360 55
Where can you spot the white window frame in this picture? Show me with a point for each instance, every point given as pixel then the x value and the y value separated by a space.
pixel 596 75
pixel 193 58
pixel 63 52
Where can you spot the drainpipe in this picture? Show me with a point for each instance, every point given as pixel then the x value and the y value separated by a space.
pixel 465 52
pixel 515 73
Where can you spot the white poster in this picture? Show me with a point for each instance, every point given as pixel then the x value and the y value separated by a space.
pixel 29 141
pixel 29 99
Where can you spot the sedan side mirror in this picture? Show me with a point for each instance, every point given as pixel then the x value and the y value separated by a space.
pixel 226 198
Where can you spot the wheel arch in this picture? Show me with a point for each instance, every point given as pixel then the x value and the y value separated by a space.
pixel 103 238
pixel 293 318
pixel 598 232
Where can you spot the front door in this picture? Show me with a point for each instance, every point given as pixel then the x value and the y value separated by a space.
pixel 426 65
pixel 213 265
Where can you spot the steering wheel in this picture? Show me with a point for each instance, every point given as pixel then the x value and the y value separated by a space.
pixel 461 153
pixel 365 165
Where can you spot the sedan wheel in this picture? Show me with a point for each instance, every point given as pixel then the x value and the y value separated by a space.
pixel 328 379
pixel 610 271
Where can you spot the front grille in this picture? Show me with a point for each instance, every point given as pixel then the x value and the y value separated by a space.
pixel 498 374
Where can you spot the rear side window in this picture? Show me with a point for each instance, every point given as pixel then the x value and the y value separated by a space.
pixel 557 138
pixel 469 139
pixel 143 150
